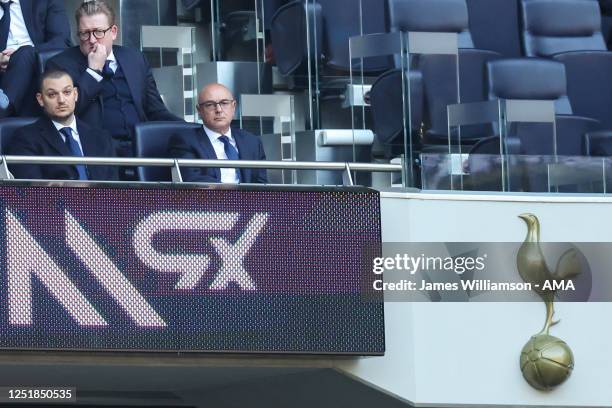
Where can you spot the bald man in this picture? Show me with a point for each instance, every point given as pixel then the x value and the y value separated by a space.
pixel 217 140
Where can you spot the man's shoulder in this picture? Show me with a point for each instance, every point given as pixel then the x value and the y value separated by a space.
pixel 246 138
pixel 85 127
pixel 34 127
pixel 244 133
pixel 28 136
pixel 186 135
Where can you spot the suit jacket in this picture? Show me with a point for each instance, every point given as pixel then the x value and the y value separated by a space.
pixel 47 23
pixel 41 138
pixel 143 89
pixel 195 144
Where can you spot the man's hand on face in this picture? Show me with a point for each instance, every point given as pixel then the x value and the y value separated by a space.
pixel 97 57
pixel 5 57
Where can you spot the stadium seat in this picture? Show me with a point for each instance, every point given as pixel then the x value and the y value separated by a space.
pixel 331 24
pixel 8 127
pixel 494 25
pixel 570 32
pixel 151 140
pixel 438 71
pixel 43 56
pixel 540 79
pixel 449 16
pixel 440 88
pixel 387 109
pixel 553 27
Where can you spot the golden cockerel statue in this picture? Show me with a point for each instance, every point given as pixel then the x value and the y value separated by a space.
pixel 533 268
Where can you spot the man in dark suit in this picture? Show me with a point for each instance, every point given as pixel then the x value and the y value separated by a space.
pixel 59 133
pixel 216 140
pixel 116 86
pixel 28 27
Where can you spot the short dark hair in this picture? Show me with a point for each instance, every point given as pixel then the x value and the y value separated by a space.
pixel 52 74
pixel 92 7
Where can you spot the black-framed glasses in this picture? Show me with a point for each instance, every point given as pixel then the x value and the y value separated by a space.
pixel 98 34
pixel 212 105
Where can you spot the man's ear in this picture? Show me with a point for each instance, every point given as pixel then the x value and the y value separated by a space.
pixel 76 94
pixel 40 100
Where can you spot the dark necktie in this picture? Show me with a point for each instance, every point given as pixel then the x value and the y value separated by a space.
pixel 74 148
pixel 5 24
pixel 230 152
pixel 107 71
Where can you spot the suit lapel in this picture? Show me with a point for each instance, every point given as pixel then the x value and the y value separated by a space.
pixel 51 135
pixel 26 10
pixel 131 77
pixel 243 153
pixel 89 145
pixel 87 142
pixel 208 150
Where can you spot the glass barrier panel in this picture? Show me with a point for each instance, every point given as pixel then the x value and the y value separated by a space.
pixel 516 173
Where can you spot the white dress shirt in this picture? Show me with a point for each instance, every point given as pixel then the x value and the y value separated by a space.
pixel 227 175
pixel 113 65
pixel 18 32
pixel 75 132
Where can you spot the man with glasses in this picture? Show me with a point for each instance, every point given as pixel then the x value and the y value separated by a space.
pixel 116 86
pixel 26 28
pixel 217 140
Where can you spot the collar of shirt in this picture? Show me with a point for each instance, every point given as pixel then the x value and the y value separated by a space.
pixel 228 175
pixel 6 1
pixel 113 61
pixel 73 126
pixel 214 136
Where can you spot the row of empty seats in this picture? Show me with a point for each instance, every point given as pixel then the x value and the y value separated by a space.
pixel 557 49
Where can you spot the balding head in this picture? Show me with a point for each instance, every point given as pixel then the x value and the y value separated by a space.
pixel 216 106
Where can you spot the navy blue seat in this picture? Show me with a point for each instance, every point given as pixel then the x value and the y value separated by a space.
pixel 438 71
pixel 431 16
pixel 44 56
pixel 589 83
pixel 330 23
pixel 570 32
pixel 440 89
pixel 151 140
pixel 494 25
pixel 540 79
pixel 553 27
pixel 386 109
pixel 8 126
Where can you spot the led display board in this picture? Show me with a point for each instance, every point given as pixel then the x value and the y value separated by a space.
pixel 160 268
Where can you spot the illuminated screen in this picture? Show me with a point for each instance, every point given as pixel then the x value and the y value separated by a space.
pixel 252 269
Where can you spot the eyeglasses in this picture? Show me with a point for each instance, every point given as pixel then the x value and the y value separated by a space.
pixel 212 105
pixel 98 34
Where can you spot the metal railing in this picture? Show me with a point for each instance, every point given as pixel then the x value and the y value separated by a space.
pixel 176 164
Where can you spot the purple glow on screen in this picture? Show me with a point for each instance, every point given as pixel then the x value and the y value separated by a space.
pixel 148 252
